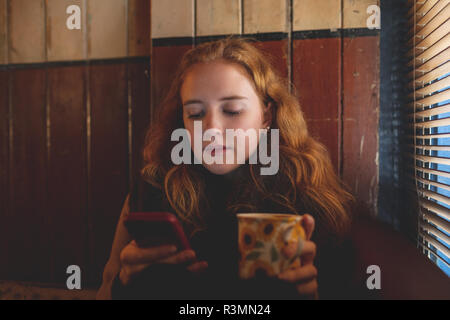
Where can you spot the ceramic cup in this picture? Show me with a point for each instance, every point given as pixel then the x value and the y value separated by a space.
pixel 269 243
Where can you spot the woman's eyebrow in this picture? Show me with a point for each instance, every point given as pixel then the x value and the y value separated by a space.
pixel 197 101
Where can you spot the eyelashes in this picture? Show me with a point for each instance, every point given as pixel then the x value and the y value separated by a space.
pixel 229 113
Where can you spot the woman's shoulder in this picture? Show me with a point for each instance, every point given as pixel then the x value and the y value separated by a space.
pixel 144 196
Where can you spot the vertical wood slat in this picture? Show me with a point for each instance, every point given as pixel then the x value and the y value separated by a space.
pixel 265 16
pixel 67 169
pixel 3 33
pixel 4 171
pixel 320 95
pixel 63 44
pixel 173 18
pixel 361 113
pixel 316 15
pixel 216 17
pixel 26 27
pixel 165 60
pixel 29 226
pixel 109 178
pixel 140 102
pixel 138 28
pixel 107 25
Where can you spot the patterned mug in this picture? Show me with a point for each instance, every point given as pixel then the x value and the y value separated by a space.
pixel 269 243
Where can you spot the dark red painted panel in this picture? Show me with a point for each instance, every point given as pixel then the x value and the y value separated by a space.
pixel 278 52
pixel 165 61
pixel 139 73
pixel 109 178
pixel 325 132
pixel 4 171
pixel 29 225
pixel 67 180
pixel 316 76
pixel 361 114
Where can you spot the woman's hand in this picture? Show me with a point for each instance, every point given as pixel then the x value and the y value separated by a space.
pixel 134 260
pixel 304 277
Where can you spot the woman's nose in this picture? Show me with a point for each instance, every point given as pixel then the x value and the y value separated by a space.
pixel 212 121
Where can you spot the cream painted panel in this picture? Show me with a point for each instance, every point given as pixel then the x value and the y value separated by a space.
pixel 265 16
pixel 316 14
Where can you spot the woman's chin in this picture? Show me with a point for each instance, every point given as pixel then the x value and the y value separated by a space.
pixel 220 169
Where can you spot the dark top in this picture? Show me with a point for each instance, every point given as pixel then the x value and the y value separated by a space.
pixel 218 245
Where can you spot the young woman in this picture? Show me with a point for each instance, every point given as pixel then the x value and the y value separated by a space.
pixel 230 84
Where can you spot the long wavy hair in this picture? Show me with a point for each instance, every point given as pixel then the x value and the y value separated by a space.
pixel 306 180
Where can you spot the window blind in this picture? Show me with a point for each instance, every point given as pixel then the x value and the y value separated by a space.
pixel 428 106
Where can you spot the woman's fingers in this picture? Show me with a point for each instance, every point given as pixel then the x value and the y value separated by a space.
pixel 133 254
pixel 198 267
pixel 129 271
pixel 308 224
pixel 301 274
pixel 308 289
pixel 180 257
pixel 308 253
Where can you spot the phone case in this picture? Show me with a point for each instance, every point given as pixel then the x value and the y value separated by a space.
pixel 156 228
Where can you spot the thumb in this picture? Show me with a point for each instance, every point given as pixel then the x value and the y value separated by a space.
pixel 308 224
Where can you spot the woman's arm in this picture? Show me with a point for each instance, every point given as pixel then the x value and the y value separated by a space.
pixel 112 268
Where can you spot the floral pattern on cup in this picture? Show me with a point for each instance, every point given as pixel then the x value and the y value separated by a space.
pixel 269 243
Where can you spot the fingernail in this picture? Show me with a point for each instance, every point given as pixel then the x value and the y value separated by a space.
pixel 172 249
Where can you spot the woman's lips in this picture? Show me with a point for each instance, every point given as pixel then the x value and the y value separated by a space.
pixel 218 149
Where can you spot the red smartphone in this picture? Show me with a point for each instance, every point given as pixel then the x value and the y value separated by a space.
pixel 151 229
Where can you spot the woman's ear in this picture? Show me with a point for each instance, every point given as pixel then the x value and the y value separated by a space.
pixel 268 110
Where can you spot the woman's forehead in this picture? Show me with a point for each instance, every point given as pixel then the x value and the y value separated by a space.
pixel 216 79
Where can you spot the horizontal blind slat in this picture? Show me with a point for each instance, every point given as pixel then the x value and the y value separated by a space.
pixel 431 76
pixel 432 111
pixel 431 148
pixel 445 251
pixel 432 25
pixel 436 208
pixel 436 220
pixel 431 136
pixel 437 7
pixel 434 87
pixel 433 123
pixel 445 239
pixel 433 253
pixel 433 63
pixel 433 171
pixel 434 37
pixel 434 183
pixel 434 195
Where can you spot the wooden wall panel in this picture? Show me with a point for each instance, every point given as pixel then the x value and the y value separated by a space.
pixel 3 36
pixel 165 60
pixel 139 73
pixel 316 76
pixel 361 114
pixel 26 27
pixel 173 18
pixel 316 15
pixel 265 16
pixel 4 170
pixel 62 43
pixel 67 180
pixel 29 229
pixel 107 25
pixel 139 28
pixel 278 51
pixel 355 12
pixel 108 158
pixel 217 17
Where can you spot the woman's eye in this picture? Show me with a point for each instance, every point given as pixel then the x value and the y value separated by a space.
pixel 233 113
pixel 195 115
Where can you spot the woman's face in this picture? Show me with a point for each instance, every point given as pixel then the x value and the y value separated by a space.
pixel 222 96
